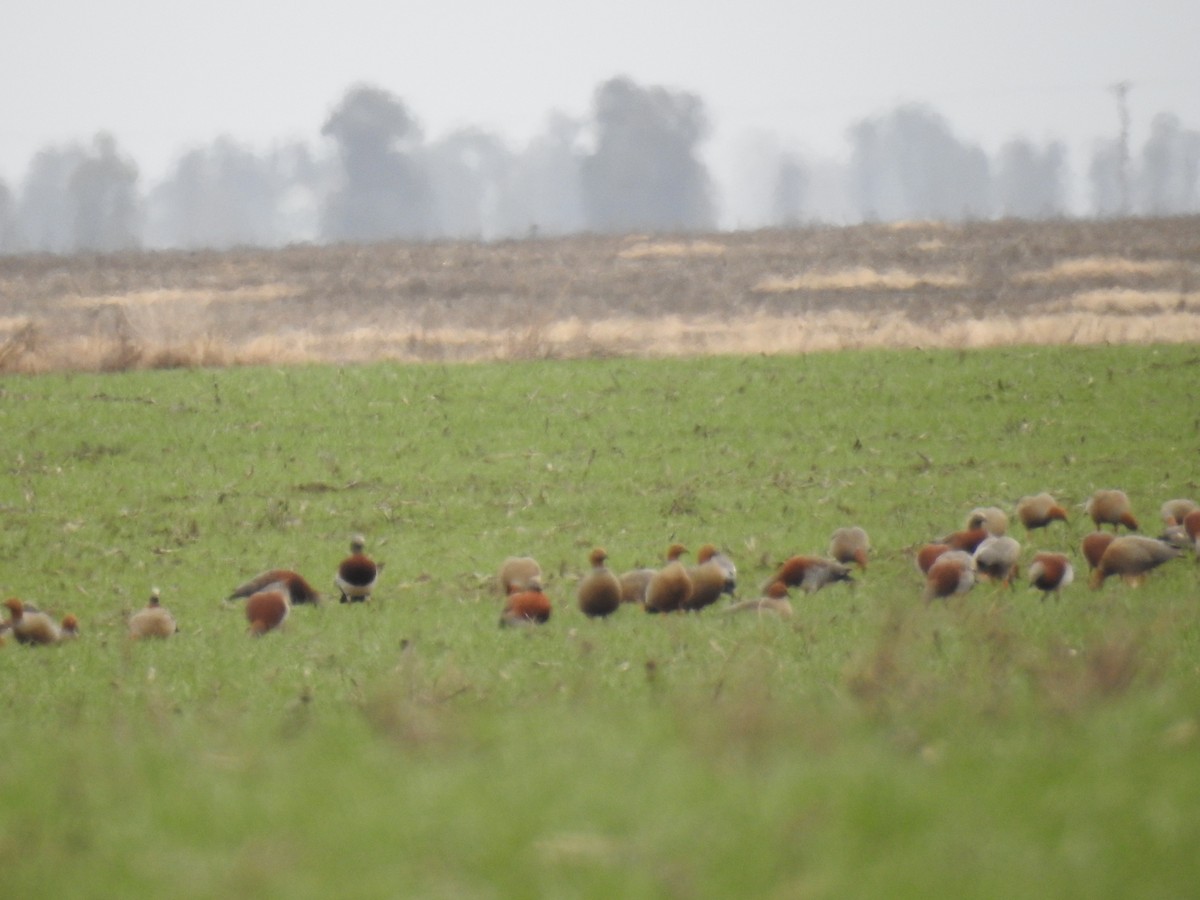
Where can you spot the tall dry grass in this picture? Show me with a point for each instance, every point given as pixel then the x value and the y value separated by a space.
pixel 910 285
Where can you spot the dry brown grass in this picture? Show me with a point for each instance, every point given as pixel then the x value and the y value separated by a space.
pixel 915 284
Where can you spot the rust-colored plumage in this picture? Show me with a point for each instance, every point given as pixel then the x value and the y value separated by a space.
pixel 69 627
pixel 810 573
pixel 1094 545
pixel 966 540
pixel 669 587
pixel 356 575
pixel 299 590
pixel 1191 527
pixel 267 610
pixel 152 621
pixel 1175 511
pixel 1131 557
pixel 31 626
pixel 526 607
pixel 1039 510
pixel 1051 572
pixel 951 574
pixel 991 519
pixel 1111 508
pixel 850 545
pixel 599 591
pixel 928 554
pixel 773 602
pixel 997 558
pixel 518 573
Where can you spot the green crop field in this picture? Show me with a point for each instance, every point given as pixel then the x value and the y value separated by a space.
pixel 993 745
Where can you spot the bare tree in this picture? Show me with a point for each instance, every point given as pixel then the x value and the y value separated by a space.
pixel 384 193
pixel 644 172
pixel 1031 181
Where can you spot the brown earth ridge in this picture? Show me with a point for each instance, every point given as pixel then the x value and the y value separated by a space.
pixel 913 284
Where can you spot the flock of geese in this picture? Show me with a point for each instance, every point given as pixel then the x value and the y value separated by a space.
pixel 951 566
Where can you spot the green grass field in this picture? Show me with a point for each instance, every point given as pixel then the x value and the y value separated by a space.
pixel 992 746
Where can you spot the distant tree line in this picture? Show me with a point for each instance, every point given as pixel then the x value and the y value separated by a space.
pixel 634 163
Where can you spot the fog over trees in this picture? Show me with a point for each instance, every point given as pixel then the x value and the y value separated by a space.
pixel 635 161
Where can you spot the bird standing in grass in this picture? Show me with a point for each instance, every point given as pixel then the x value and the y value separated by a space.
pixel 810 573
pixel 996 559
pixel 517 573
pixel 1175 511
pixel 299 590
pixel 1050 573
pixel 991 519
pixel 951 574
pixel 634 583
pixel 267 610
pixel 927 555
pixel 1111 508
pixel 1039 510
pixel 357 573
pixel 1094 545
pixel 713 575
pixel 152 621
pixel 526 607
pixel 599 591
pixel 850 545
pixel 1131 557
pixel 30 626
pixel 669 587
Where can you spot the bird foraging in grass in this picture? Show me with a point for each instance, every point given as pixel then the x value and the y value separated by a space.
pixel 951 574
pixel 1131 557
pixel 356 575
pixel 267 610
pixel 518 573
pixel 713 575
pixel 599 592
pixel 991 519
pixel 1039 510
pixel 810 573
pixel 526 607
pixel 997 558
pixel 1094 545
pixel 1175 511
pixel 1111 508
pixel 850 545
pixel 152 621
pixel 1050 573
pixel 669 587
pixel 31 626
pixel 299 590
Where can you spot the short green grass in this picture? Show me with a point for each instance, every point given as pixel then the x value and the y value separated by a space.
pixel 996 745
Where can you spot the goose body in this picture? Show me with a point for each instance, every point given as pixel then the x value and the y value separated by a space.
pixel 599 592
pixel 267 610
pixel 152 621
pixel 669 587
pixel 1111 508
pixel 1039 510
pixel 356 574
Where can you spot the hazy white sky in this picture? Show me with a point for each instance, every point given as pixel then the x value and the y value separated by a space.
pixel 164 76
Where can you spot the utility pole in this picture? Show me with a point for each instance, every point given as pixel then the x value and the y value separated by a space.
pixel 1121 89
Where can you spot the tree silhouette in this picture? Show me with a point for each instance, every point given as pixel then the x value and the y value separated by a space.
pixel 1170 166
pixel 383 192
pixel 105 207
pixel 1030 182
pixel 908 164
pixel 644 173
